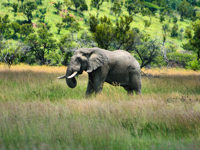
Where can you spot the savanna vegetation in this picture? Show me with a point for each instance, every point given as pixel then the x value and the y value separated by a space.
pixel 157 33
pixel 38 111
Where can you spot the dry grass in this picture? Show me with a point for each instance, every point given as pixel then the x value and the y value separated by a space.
pixel 62 69
pixel 37 111
pixel 171 72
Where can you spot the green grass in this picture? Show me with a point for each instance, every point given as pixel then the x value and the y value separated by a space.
pixel 38 111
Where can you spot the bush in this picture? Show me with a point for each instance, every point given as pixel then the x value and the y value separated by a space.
pixel 93 21
pixel 194 65
pixel 181 59
pixel 174 32
pixel 175 19
pixel 147 23
pixel 162 18
pixel 10 55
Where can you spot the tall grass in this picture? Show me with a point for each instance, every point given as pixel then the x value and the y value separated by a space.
pixel 37 111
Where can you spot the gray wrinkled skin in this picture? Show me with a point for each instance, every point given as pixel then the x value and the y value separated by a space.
pixel 115 67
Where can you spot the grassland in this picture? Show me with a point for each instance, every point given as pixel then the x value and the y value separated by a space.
pixel 37 111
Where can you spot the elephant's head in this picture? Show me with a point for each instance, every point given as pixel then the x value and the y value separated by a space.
pixel 84 60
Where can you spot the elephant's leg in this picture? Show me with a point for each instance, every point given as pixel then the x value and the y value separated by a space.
pixel 90 88
pixel 129 90
pixel 135 81
pixel 97 79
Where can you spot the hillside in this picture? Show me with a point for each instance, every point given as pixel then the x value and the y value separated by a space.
pixel 74 24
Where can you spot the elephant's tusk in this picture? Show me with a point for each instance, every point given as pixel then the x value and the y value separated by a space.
pixel 62 77
pixel 73 75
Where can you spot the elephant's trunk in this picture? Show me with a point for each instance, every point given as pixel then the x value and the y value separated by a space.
pixel 71 82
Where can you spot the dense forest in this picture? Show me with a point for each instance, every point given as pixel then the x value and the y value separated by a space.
pixel 157 32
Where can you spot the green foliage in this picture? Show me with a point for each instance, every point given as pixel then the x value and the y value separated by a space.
pixel 58 6
pixel 104 35
pixel 174 31
pixel 175 19
pixel 10 54
pixel 39 2
pixel 5 26
pixel 185 9
pixel 147 23
pixel 25 30
pixel 147 52
pixel 194 41
pixel 41 14
pixel 97 3
pixel 28 9
pixel 69 19
pixel 41 45
pixel 66 46
pixel 116 8
pixel 123 31
pixel 59 26
pixel 103 31
pixel 15 8
pixel 93 22
pixel 194 65
pixel 162 18
pixel 152 7
pixel 133 6
pixel 16 29
pixel 24 18
pixel 180 58
pixel 80 4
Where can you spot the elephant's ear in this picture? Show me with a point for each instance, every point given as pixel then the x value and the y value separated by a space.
pixel 96 59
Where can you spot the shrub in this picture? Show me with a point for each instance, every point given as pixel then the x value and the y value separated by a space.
pixel 147 23
pixel 175 19
pixel 162 18
pixel 93 21
pixel 194 65
pixel 174 32
pixel 181 59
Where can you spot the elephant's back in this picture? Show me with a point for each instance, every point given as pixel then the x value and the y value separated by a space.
pixel 124 58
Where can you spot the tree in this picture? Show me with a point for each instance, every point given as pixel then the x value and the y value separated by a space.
pixel 145 49
pixel 16 29
pixel 38 2
pixel 15 8
pixel 80 4
pixel 41 44
pixel 41 14
pixel 10 53
pixel 58 6
pixel 147 52
pixel 28 9
pixel 185 9
pixel 93 21
pixel 25 30
pixel 67 46
pixel 133 6
pixel 68 3
pixel 103 35
pixel 174 32
pixel 195 39
pixel 165 29
pixel 116 8
pixel 121 31
pixel 59 26
pixel 97 3
pixel 5 29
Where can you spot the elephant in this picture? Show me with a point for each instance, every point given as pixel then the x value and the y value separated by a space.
pixel 117 67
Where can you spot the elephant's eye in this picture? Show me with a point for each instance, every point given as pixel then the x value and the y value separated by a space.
pixel 85 54
pixel 78 59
